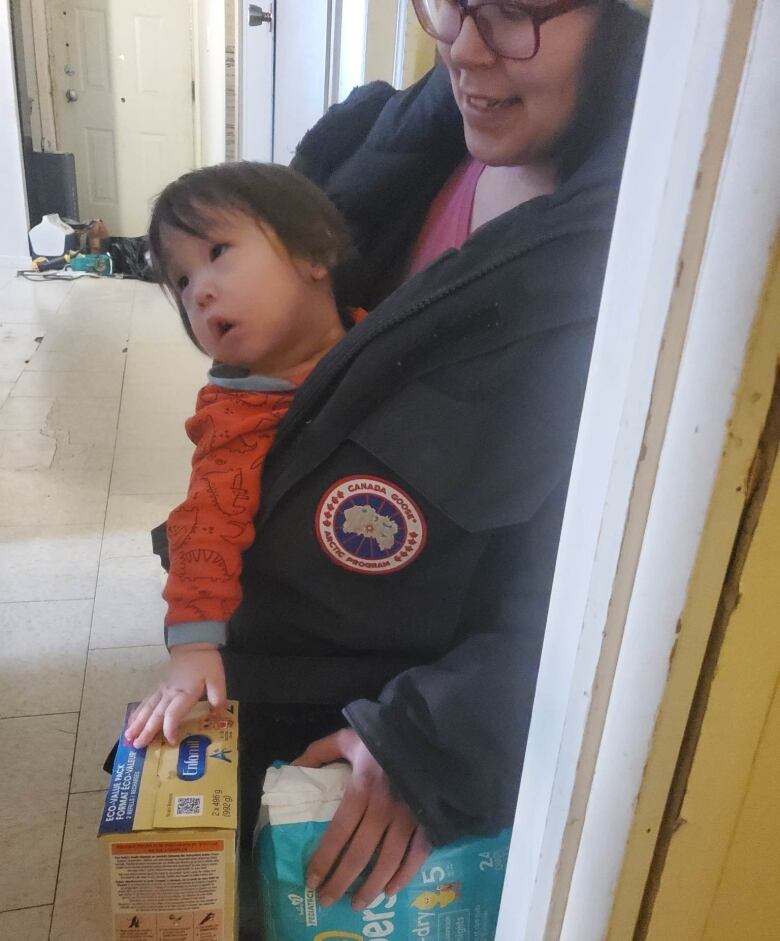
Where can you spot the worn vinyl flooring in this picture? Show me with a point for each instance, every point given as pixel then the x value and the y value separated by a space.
pixel 96 379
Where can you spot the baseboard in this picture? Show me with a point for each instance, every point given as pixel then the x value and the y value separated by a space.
pixel 16 262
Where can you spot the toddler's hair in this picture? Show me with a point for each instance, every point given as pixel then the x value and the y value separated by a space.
pixel 304 219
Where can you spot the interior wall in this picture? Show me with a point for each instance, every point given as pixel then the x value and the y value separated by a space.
pixel 419 50
pixel 715 872
pixel 14 250
pixel 380 40
pixel 729 822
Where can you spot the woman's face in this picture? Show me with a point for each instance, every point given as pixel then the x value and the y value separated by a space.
pixel 515 111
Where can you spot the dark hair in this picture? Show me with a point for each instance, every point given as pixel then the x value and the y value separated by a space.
pixel 608 86
pixel 304 219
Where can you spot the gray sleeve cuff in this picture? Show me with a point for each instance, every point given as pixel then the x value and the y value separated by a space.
pixel 196 632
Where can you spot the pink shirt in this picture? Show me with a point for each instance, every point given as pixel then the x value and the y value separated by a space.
pixel 448 223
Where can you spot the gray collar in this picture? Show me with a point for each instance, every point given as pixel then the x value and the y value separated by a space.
pixel 241 380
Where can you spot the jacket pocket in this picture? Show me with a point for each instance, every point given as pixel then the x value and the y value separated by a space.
pixel 486 440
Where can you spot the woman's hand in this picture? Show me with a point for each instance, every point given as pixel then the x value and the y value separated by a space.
pixel 369 818
pixel 193 670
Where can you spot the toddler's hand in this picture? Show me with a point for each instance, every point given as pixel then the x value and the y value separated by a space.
pixel 193 670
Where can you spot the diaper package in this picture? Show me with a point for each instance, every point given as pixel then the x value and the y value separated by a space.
pixel 454 897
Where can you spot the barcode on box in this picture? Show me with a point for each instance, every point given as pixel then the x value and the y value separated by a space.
pixel 188 806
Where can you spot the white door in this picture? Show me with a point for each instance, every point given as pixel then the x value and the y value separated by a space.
pixel 285 75
pixel 122 88
pixel 310 55
pixel 302 72
pixel 256 91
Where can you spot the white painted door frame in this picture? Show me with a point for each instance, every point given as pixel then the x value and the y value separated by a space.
pixel 209 43
pixel 36 60
pixel 402 19
pixel 14 250
pixel 696 221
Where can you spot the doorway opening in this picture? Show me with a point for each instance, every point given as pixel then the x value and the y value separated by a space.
pixel 115 100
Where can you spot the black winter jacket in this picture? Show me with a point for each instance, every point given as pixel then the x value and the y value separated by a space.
pixel 461 393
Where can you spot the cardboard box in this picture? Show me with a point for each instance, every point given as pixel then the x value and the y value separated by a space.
pixel 170 826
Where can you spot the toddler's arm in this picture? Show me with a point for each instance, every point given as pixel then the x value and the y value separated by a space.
pixel 193 670
pixel 209 531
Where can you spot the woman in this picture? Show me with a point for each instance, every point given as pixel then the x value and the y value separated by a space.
pixel 413 498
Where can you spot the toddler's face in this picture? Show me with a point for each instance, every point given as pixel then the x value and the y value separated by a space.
pixel 248 301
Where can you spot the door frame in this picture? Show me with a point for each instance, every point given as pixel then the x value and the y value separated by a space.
pixel 696 222
pixel 35 39
pixel 209 77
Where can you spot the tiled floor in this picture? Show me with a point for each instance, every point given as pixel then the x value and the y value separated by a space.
pixel 96 379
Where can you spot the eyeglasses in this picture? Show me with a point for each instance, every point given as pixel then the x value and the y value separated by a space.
pixel 509 27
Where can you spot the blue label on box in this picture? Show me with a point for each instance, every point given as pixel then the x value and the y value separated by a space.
pixel 193 752
pixel 122 796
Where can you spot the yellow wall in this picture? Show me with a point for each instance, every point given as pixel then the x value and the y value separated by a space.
pixel 747 903
pixel 721 877
pixel 419 48
pixel 419 51
pixel 717 877
pixel 380 39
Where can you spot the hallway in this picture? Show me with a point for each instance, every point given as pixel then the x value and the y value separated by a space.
pixel 96 379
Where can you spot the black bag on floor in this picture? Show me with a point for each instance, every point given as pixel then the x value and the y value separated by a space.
pixel 131 258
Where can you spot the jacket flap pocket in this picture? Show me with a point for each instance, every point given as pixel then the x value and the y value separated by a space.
pixel 486 440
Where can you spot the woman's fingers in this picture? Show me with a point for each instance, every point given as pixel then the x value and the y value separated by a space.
pixel 419 850
pixel 386 827
pixel 388 864
pixel 392 834
pixel 345 822
pixel 321 752
pixel 365 841
pixel 369 821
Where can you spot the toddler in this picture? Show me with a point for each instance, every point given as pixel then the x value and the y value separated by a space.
pixel 245 250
